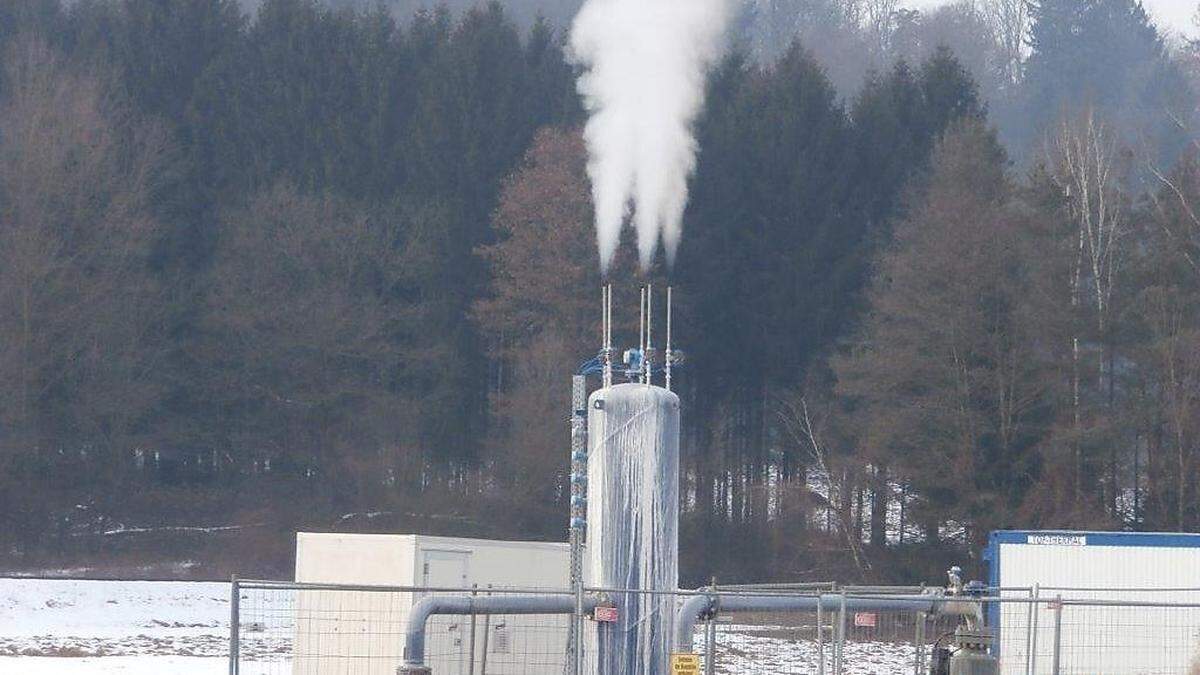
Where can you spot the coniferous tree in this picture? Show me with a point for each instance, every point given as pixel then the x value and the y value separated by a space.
pixel 945 378
pixel 1106 55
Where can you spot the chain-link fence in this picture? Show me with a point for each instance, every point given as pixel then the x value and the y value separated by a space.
pixel 280 628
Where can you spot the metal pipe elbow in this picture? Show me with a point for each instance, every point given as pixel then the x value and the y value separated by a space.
pixel 418 617
pixel 694 607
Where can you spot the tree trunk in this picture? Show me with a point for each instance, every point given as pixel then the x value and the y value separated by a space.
pixel 930 525
pixel 858 514
pixel 26 348
pixel 1077 436
pixel 1181 478
pixel 1114 478
pixel 1154 498
pixel 1137 482
pixel 1075 398
pixel 846 506
pixel 880 494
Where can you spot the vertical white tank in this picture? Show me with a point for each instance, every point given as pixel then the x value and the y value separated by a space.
pixel 633 522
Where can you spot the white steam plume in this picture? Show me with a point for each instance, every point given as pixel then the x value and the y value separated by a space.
pixel 645 63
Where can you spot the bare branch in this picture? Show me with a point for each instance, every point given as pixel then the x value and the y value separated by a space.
pixel 799 426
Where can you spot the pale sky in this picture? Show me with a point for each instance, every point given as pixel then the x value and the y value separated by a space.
pixel 1174 15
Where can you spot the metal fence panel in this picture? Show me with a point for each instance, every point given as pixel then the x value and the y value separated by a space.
pixel 300 629
pixel 1126 639
pixel 771 643
pixel 1088 631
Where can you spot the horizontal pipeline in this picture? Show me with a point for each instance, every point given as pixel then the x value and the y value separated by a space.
pixel 697 606
pixel 414 637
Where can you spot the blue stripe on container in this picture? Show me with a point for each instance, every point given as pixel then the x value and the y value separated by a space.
pixel 1149 539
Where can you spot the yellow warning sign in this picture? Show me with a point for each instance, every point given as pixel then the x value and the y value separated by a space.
pixel 685 664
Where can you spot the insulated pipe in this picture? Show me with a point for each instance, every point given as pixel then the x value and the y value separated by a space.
pixel 414 637
pixel 642 326
pixel 667 354
pixel 606 336
pixel 968 609
pixel 697 606
pixel 693 608
pixel 648 355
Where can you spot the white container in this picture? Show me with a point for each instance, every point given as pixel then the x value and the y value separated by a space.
pixel 1119 566
pixel 362 631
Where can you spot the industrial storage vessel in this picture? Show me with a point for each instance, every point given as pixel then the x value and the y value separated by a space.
pixel 633 523
pixel 1118 566
pixel 363 631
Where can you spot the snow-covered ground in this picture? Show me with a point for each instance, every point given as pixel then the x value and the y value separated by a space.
pixel 130 627
pixel 745 649
pixel 66 627
pixel 112 665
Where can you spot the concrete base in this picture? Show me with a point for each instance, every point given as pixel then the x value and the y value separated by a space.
pixel 413 670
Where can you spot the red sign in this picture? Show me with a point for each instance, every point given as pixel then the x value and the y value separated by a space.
pixel 605 614
pixel 865 619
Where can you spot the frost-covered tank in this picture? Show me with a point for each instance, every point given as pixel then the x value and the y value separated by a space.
pixel 633 522
pixel 971 655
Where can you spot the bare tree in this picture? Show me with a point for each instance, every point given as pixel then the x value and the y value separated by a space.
pixel 1085 157
pixel 1175 208
pixel 879 22
pixel 1175 350
pixel 793 415
pixel 80 317
pixel 831 29
pixel 1010 24
pixel 961 27
pixel 1171 314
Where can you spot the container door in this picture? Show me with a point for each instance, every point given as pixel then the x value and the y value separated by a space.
pixel 445 569
pixel 450 636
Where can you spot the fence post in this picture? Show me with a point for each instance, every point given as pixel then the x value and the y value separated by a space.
pixel 487 629
pixel 1058 608
pixel 577 629
pixel 235 596
pixel 1031 657
pixel 710 646
pixel 471 668
pixel 840 648
pixel 820 635
pixel 920 650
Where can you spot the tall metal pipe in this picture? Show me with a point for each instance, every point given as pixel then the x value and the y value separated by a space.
pixel 578 509
pixel 667 355
pixel 648 354
pixel 642 326
pixel 606 335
